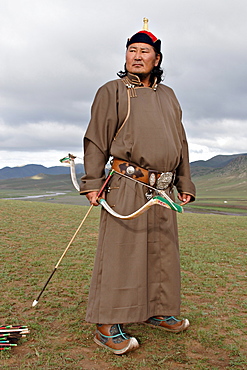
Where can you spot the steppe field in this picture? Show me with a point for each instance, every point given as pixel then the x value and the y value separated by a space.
pixel 214 292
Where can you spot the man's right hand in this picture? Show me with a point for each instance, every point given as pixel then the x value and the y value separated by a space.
pixel 92 197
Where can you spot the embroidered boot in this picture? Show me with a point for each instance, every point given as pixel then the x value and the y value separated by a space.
pixel 169 323
pixel 113 338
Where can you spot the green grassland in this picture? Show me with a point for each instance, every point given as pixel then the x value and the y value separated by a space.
pixel 214 296
pixel 221 192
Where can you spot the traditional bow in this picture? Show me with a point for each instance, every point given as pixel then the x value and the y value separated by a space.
pixel 161 199
pixel 70 159
pixel 165 202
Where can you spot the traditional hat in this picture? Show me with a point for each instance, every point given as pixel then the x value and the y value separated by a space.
pixel 146 37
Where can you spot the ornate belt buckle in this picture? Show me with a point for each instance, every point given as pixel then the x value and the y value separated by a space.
pixel 164 180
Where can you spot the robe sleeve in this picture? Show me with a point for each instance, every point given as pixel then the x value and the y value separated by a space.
pixel 183 181
pixel 99 135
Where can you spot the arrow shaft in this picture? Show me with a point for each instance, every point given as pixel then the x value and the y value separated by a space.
pixel 72 239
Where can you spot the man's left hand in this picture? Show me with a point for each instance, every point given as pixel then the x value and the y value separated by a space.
pixel 184 198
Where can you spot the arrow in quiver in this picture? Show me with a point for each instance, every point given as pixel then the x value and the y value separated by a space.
pixel 10 334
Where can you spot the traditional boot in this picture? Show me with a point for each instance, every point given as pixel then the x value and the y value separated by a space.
pixel 113 338
pixel 168 323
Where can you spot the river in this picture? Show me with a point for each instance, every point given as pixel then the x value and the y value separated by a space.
pixel 36 196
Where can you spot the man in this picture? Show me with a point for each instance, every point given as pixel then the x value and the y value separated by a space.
pixel 137 121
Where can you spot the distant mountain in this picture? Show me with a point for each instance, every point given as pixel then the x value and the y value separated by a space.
pixel 217 161
pixel 36 169
pixel 220 164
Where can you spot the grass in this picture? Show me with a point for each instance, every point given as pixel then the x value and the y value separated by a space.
pixel 219 204
pixel 214 296
pixel 221 193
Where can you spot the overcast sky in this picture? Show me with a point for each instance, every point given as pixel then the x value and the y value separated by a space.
pixel 55 54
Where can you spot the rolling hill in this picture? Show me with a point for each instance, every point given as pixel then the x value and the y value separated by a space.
pixel 221 175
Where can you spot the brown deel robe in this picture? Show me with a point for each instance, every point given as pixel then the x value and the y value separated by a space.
pixel 137 270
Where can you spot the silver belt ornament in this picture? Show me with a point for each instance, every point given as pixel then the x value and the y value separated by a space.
pixel 162 182
pixel 130 170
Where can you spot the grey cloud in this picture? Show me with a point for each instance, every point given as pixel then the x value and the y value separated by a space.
pixel 55 55
pixel 43 136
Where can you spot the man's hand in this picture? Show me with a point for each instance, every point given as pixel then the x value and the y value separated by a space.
pixel 184 198
pixel 93 196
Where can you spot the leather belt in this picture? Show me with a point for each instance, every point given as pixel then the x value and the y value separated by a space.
pixel 159 180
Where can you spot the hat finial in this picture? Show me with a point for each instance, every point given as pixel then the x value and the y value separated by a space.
pixel 145 24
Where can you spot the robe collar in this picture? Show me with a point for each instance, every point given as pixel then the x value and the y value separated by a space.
pixel 132 81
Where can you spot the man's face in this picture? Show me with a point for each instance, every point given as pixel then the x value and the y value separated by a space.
pixel 141 59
